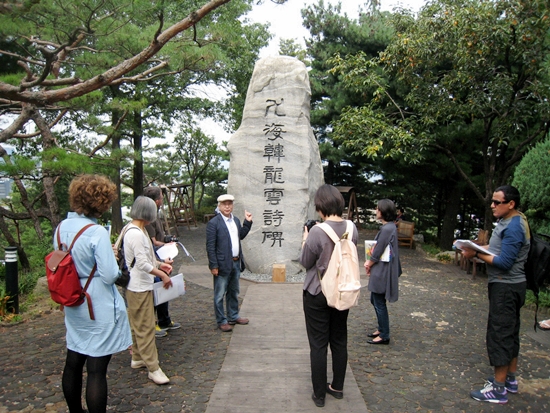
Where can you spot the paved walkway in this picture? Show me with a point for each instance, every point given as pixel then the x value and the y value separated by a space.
pixel 267 364
pixel 436 357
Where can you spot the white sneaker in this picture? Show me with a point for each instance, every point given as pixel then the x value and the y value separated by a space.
pixel 138 364
pixel 159 377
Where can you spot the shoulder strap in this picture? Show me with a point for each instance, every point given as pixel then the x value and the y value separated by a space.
pixel 329 231
pixel 78 234
pixel 120 240
pixel 349 230
pixel 90 276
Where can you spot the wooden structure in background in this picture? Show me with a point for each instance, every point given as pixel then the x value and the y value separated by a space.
pixel 351 213
pixel 179 206
pixel 405 234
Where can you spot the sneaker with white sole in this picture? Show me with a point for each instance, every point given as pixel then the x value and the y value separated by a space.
pixel 489 394
pixel 137 364
pixel 160 332
pixel 159 377
pixel 511 386
pixel 172 326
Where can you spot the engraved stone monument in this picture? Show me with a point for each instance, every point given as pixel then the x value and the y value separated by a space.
pixel 275 167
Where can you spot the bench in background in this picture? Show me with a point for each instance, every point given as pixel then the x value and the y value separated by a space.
pixel 405 233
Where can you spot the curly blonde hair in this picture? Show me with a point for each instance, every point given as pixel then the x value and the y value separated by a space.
pixel 91 195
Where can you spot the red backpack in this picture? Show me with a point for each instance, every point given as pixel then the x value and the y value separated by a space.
pixel 63 281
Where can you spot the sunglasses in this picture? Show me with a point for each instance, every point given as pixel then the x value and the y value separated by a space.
pixel 497 203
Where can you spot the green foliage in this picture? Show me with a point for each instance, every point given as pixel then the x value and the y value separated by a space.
pixel 544 298
pixel 197 161
pixel 464 80
pixel 451 60
pixel 13 79
pixel 289 47
pixel 532 179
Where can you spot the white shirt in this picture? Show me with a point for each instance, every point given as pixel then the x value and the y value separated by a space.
pixel 234 233
pixel 137 244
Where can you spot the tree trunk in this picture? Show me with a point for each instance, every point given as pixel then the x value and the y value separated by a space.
pixel 48 180
pixel 116 208
pixel 23 260
pixel 452 208
pixel 137 134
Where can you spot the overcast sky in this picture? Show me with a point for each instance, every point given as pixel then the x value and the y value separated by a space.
pixel 286 20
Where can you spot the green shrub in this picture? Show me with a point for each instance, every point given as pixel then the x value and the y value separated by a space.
pixel 544 298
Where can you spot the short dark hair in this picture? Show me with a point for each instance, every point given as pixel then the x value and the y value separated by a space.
pixel 329 200
pixel 144 208
pixel 387 209
pixel 153 192
pixel 511 193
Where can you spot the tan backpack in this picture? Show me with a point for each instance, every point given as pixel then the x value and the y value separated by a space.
pixel 341 282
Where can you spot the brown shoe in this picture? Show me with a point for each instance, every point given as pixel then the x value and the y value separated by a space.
pixel 226 328
pixel 239 320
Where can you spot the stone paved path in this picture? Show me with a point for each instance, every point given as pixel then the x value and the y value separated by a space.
pixel 436 357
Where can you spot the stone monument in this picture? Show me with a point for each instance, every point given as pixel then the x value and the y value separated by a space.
pixel 275 167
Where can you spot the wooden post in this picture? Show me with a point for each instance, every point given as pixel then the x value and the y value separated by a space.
pixel 279 273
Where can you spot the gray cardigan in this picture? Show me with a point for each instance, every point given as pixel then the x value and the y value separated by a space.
pixel 384 276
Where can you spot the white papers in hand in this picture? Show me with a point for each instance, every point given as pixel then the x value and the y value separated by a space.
pixel 169 250
pixel 466 243
pixel 162 295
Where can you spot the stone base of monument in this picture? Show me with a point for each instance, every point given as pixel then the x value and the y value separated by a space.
pixel 279 273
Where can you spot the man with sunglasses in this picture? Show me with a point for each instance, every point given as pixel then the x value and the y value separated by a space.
pixel 506 284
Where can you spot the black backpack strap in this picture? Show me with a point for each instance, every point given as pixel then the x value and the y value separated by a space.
pixel 536 293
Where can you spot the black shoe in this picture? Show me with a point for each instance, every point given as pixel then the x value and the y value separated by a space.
pixel 334 393
pixel 373 335
pixel 383 341
pixel 319 401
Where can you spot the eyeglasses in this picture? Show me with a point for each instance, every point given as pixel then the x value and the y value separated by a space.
pixel 497 203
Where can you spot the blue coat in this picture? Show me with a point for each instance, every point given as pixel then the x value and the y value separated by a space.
pixel 218 243
pixel 109 333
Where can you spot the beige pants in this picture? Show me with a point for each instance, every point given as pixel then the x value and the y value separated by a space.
pixel 141 313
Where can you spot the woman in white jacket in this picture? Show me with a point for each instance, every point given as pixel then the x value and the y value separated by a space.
pixel 140 258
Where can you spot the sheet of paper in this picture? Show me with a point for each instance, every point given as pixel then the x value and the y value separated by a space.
pixel 185 250
pixel 162 295
pixel 466 243
pixel 169 250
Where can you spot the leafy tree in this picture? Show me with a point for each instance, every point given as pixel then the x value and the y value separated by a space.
pixel 532 179
pixel 333 32
pixel 472 70
pixel 94 66
pixel 197 158
pixel 86 85
pixel 289 47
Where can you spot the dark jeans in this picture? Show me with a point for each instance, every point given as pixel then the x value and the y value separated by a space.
pixel 163 316
pixel 326 325
pixel 378 301
pixel 227 286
